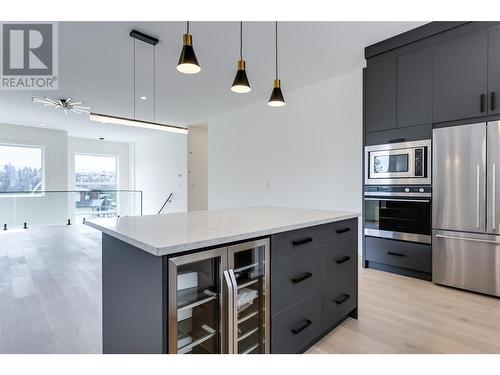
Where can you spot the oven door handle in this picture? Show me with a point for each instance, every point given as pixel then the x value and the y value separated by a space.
pixel 398 200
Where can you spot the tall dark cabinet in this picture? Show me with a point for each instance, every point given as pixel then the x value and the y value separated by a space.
pixel 414 88
pixel 494 70
pixel 461 77
pixel 380 96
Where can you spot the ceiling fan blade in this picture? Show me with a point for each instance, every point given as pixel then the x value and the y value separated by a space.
pixel 81 107
pixel 75 103
pixel 65 111
pixel 68 100
pixel 49 105
pixel 75 111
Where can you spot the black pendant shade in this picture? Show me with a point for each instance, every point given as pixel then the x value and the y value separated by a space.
pixel 241 83
pixel 276 99
pixel 188 63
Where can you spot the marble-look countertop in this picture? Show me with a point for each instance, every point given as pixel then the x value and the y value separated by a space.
pixel 173 233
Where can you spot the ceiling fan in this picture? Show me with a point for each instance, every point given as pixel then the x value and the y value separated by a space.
pixel 65 104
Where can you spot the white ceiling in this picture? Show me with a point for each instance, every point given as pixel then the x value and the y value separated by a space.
pixel 96 66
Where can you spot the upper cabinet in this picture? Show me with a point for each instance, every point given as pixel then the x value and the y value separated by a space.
pixel 494 70
pixel 380 96
pixel 414 88
pixel 461 77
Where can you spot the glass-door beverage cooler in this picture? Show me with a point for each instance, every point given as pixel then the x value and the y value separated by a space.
pixel 219 300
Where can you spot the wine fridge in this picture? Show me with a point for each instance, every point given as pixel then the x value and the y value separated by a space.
pixel 218 300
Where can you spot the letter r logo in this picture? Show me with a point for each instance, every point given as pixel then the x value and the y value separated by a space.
pixel 27 49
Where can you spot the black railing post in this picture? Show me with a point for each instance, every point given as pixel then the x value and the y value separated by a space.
pixel 69 222
pixel 25 225
pixel 5 227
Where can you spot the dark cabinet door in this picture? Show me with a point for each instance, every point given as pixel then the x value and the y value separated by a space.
pixel 414 88
pixel 380 96
pixel 494 70
pixel 460 77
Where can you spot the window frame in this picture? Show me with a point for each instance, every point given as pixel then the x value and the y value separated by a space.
pixel 26 194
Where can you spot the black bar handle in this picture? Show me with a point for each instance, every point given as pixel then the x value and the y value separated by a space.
pixel 302 327
pixel 299 279
pixel 342 299
pixel 343 259
pixel 482 102
pixel 343 230
pixel 395 254
pixel 301 241
pixel 492 101
pixel 397 140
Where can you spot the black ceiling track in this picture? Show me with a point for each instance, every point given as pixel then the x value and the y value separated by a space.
pixel 144 37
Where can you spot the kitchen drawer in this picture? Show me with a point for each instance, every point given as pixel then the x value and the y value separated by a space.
pixel 294 278
pixel 293 242
pixel 342 229
pixel 341 259
pixel 409 255
pixel 340 299
pixel 295 328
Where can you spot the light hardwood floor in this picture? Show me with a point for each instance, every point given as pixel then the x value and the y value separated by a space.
pixel 50 302
pixel 398 314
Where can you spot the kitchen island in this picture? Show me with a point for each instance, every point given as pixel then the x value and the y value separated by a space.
pixel 247 280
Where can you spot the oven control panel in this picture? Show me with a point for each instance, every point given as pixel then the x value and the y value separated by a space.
pixel 403 190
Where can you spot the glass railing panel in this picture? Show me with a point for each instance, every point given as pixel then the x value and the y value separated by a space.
pixel 57 207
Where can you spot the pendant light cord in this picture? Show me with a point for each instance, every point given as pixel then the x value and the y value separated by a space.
pixel 187 28
pixel 134 78
pixel 241 40
pixel 276 47
pixel 154 83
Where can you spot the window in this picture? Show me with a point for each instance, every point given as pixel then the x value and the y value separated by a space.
pixel 21 168
pixel 96 184
pixel 95 172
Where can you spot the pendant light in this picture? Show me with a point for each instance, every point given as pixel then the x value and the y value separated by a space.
pixel 108 119
pixel 188 63
pixel 240 83
pixel 276 99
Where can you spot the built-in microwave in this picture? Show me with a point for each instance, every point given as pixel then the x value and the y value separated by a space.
pixel 404 163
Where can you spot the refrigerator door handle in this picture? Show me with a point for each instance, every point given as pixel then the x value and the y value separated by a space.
pixel 467 239
pixel 478 196
pixel 493 198
pixel 230 311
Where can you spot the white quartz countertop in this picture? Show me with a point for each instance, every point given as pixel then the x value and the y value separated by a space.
pixel 177 232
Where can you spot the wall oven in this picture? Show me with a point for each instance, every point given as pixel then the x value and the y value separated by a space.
pixel 404 163
pixel 398 212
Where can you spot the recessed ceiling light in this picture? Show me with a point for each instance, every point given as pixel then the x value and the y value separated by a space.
pixel 143 97
pixel 42 125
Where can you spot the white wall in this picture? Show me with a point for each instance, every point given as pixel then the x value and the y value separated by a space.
pixel 197 159
pixel 46 209
pixel 306 154
pixel 160 169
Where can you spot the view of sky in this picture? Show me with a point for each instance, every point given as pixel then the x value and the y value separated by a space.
pixel 92 163
pixel 20 157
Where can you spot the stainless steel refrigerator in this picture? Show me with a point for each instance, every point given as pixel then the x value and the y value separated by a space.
pixel 466 207
pixel 218 300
